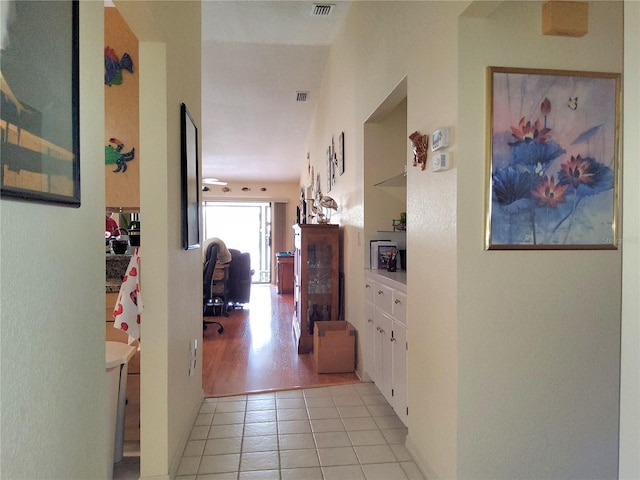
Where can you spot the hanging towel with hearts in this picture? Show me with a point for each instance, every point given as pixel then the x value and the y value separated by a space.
pixel 129 304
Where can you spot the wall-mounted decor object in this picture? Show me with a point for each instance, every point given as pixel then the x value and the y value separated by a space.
pixel 552 176
pixel 440 139
pixel 113 66
pixel 334 161
pixel 419 143
pixel 113 155
pixel 329 169
pixel 318 188
pixel 341 153
pixel 328 206
pixel 40 141
pixel 190 180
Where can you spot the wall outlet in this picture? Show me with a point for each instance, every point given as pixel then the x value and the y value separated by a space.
pixel 440 161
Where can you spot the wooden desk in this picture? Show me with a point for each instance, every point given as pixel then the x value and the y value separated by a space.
pixel 284 268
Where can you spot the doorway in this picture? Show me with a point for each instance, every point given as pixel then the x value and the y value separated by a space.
pixel 244 226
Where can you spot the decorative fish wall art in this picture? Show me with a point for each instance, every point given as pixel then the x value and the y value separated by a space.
pixel 113 155
pixel 114 66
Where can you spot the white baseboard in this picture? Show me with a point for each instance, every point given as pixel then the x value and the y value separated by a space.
pixel 177 457
pixel 426 471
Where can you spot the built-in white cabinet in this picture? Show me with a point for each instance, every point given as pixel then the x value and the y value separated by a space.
pixel 385 343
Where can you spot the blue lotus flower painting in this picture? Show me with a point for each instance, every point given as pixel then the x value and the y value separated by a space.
pixel 553 159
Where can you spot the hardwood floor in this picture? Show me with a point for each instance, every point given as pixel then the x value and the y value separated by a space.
pixel 257 353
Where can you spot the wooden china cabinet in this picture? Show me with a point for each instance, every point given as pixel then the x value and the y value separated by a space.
pixel 315 285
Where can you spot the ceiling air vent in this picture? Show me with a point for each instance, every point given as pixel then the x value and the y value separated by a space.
pixel 321 9
pixel 302 96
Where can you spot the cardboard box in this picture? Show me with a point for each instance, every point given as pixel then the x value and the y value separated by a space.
pixel 334 347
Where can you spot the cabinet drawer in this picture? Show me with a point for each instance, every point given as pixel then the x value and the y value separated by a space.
pixel 369 289
pixel 383 298
pixel 400 307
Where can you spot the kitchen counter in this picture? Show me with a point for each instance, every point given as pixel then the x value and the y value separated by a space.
pixel 113 285
pixel 398 277
pixel 116 267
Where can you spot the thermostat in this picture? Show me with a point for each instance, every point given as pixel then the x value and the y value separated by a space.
pixel 440 161
pixel 440 139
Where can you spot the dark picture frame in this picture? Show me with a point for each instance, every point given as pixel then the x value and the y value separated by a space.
pixel 552 179
pixel 39 111
pixel 330 168
pixel 341 153
pixel 190 180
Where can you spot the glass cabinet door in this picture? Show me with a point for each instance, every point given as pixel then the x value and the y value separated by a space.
pixel 319 285
pixel 316 280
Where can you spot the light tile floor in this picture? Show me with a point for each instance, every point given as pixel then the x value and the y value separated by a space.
pixel 346 432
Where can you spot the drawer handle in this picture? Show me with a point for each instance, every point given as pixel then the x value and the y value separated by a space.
pixel 381 330
pixel 397 301
pixel 369 320
pixel 380 292
pixel 378 328
pixel 367 286
pixel 393 339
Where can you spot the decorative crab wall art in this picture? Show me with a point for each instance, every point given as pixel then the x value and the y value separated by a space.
pixel 419 143
pixel 113 155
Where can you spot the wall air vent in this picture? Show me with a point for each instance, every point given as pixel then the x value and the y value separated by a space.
pixel 302 96
pixel 321 9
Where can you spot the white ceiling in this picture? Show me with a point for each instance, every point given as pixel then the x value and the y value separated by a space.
pixel 256 55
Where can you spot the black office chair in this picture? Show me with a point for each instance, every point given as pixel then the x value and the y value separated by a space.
pixel 211 302
pixel 240 274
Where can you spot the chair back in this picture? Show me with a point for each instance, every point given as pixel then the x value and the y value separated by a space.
pixel 240 274
pixel 208 269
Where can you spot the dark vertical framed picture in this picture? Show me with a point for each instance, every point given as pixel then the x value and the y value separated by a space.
pixel 39 109
pixel 341 153
pixel 190 181
pixel 329 169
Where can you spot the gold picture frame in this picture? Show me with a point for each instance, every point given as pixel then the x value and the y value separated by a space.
pixel 552 160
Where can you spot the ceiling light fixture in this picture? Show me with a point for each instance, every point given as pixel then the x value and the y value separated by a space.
pixel 213 181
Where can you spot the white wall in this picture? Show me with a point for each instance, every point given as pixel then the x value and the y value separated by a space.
pixel 630 376
pixel 52 316
pixel 169 36
pixel 381 44
pixel 538 331
pixel 472 395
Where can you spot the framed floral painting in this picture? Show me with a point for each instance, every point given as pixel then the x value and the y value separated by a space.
pixel 552 174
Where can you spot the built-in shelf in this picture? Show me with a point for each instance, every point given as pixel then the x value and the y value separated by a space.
pixel 397 181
